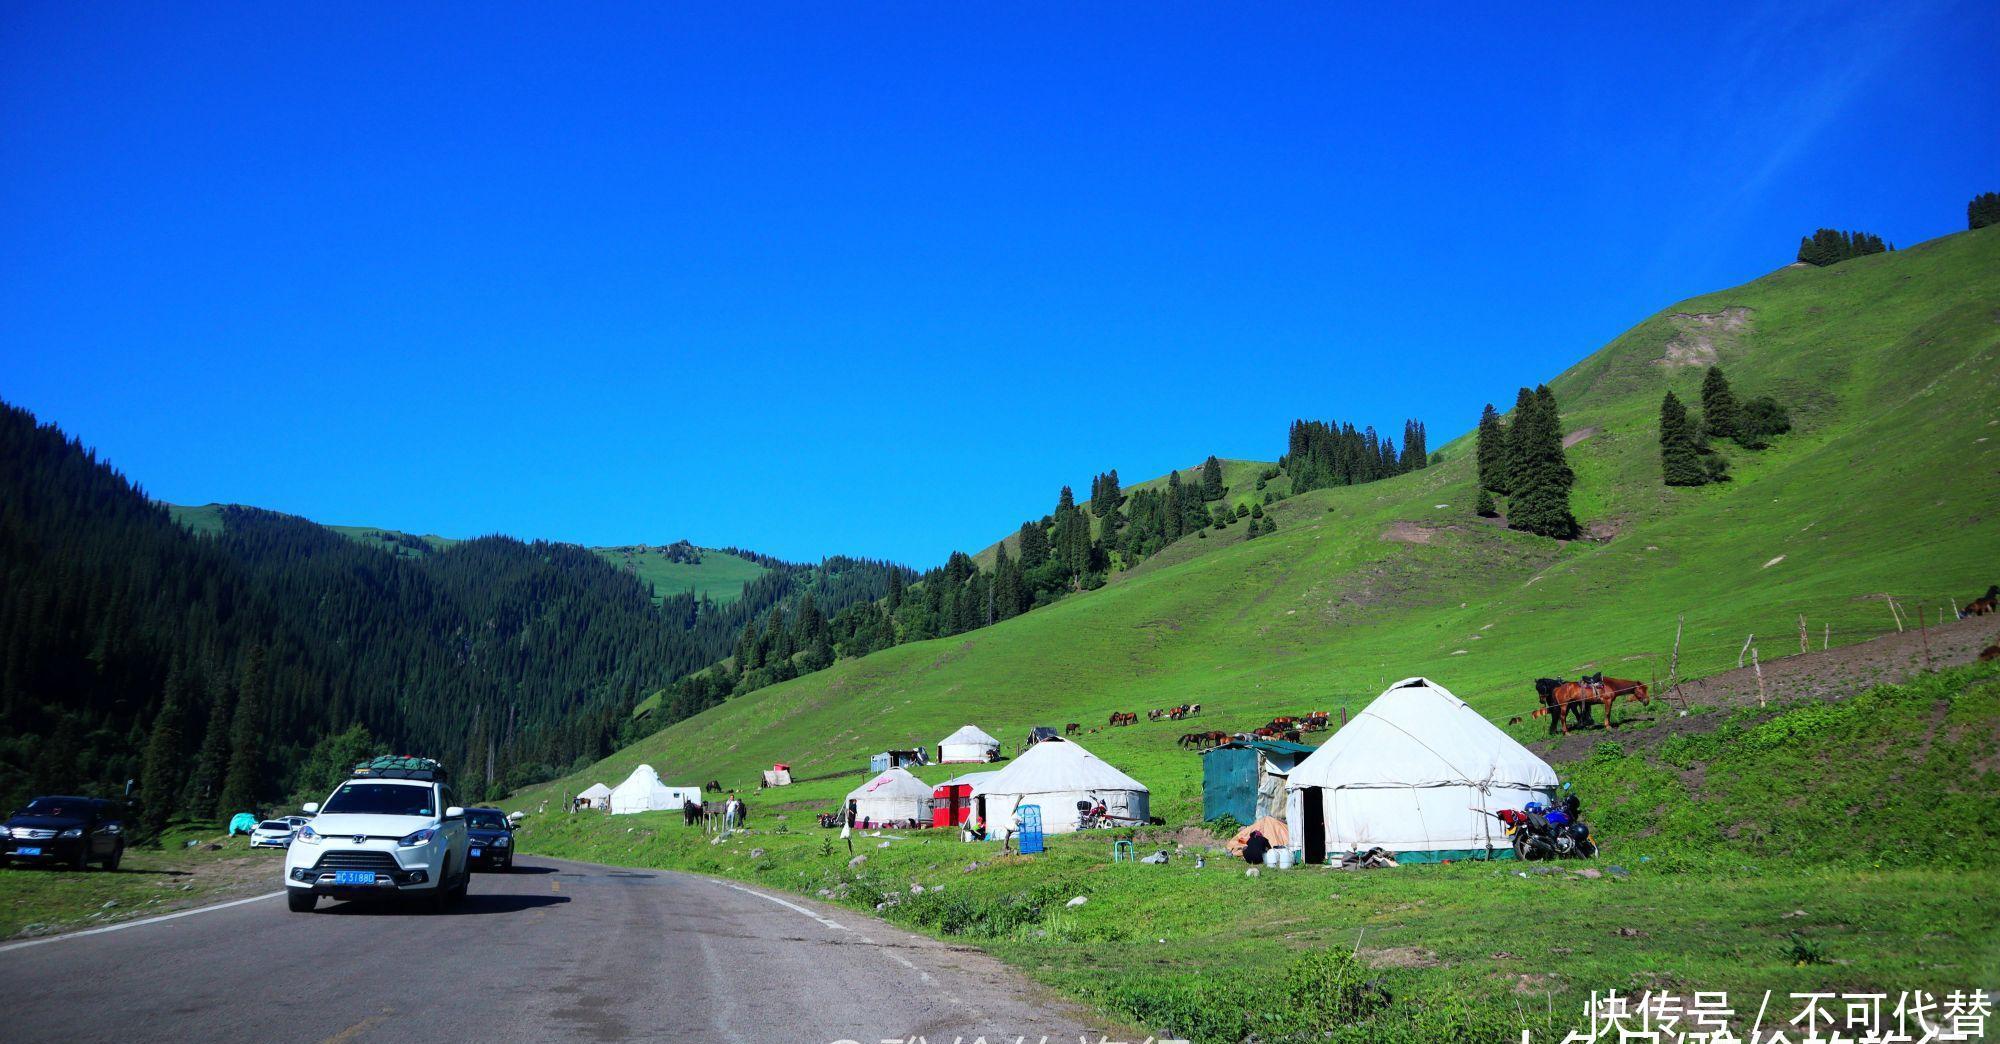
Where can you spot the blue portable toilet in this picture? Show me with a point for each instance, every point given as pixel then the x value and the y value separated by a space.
pixel 1245 779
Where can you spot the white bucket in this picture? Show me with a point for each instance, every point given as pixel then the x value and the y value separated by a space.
pixel 1284 858
pixel 1271 857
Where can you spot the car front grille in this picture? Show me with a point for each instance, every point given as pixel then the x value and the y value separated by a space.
pixel 32 834
pixel 358 859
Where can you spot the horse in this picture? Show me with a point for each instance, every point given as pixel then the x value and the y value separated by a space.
pixel 1203 740
pixel 1991 652
pixel 1990 602
pixel 712 785
pixel 1545 688
pixel 1124 718
pixel 1072 729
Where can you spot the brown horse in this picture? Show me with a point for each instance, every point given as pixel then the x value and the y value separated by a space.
pixel 1592 689
pixel 1124 718
pixel 1201 740
pixel 1072 728
pixel 1987 603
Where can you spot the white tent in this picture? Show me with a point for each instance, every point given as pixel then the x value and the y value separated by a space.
pixel 968 744
pixel 597 795
pixel 1416 773
pixel 1056 774
pixel 642 791
pixel 892 797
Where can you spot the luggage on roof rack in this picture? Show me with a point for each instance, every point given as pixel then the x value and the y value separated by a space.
pixel 399 766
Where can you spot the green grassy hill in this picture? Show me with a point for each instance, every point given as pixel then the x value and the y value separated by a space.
pixel 718 575
pixel 1890 365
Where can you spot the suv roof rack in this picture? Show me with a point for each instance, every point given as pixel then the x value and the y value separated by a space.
pixel 400 766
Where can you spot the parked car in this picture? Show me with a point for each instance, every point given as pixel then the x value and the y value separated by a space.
pixel 65 831
pixel 384 833
pixel 272 833
pixel 492 839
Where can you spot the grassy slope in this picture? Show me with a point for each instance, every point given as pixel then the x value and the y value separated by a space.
pixel 1891 365
pixel 718 575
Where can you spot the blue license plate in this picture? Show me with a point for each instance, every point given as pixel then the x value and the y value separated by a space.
pixel 475 853
pixel 27 851
pixel 354 877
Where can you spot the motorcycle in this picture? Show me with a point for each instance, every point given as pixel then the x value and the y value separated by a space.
pixel 1540 832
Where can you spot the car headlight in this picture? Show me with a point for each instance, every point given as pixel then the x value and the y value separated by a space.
pixel 73 832
pixel 501 842
pixel 308 835
pixel 418 838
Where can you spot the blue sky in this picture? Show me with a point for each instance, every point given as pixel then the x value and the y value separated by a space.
pixel 879 281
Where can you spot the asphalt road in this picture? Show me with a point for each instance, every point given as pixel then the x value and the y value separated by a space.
pixel 554 951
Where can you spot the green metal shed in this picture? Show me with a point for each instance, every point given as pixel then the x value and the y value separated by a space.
pixel 1246 778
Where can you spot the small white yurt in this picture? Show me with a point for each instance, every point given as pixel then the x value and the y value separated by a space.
pixel 893 797
pixel 642 791
pixel 969 744
pixel 1416 773
pixel 1057 774
pixel 597 795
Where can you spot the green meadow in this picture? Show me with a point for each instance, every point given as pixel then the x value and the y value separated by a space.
pixel 719 576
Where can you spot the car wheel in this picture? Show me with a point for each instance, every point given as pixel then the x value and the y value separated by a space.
pixel 301 900
pixel 117 856
pixel 440 898
pixel 464 882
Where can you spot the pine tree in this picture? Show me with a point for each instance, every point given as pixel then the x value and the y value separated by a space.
pixel 164 770
pixel 243 784
pixel 1542 476
pixel 1680 456
pixel 1492 453
pixel 1483 507
pixel 1984 210
pixel 211 763
pixel 1719 416
pixel 1519 435
pixel 1211 479
pixel 1034 546
pixel 1105 496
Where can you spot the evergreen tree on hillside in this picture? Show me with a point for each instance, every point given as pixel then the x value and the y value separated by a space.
pixel 1680 454
pixel 1033 545
pixel 1760 419
pixel 1494 469
pixel 1105 495
pixel 1718 406
pixel 1984 210
pixel 245 778
pixel 1518 436
pixel 1070 542
pixel 164 770
pixel 1211 479
pixel 1483 505
pixel 1830 246
pixel 1415 452
pixel 211 762
pixel 1542 476
pixel 810 628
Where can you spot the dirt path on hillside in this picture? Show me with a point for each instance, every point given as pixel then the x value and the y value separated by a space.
pixel 1830 674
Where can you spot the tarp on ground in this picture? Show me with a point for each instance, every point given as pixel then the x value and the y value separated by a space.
pixel 1274 831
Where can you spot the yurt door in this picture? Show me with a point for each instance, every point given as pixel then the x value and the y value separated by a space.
pixel 1312 811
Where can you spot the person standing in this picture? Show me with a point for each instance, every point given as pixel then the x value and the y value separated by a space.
pixel 847 827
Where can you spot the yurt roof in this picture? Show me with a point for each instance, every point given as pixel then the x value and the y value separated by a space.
pixel 1056 766
pixel 596 790
pixel 894 783
pixel 643 773
pixel 1417 734
pixel 970 734
pixel 972 779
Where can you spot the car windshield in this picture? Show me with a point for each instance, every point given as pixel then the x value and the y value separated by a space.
pixel 380 799
pixel 57 807
pixel 486 820
pixel 272 824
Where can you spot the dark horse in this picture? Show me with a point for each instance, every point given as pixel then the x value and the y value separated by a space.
pixel 1990 602
pixel 711 785
pixel 1546 688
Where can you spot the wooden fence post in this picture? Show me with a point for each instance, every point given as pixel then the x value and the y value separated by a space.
pixel 1898 616
pixel 1746 648
pixel 1805 644
pixel 1925 634
pixel 1760 675
pixel 1826 637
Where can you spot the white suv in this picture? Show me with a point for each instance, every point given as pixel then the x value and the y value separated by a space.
pixel 378 837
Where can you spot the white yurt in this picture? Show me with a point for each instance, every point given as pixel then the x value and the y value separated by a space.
pixel 1416 773
pixel 969 744
pixel 1057 774
pixel 642 791
pixel 597 795
pixel 894 797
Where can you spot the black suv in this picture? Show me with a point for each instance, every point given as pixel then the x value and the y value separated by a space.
pixel 492 837
pixel 64 831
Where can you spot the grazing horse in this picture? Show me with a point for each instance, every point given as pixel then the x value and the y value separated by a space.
pixel 1124 718
pixel 711 785
pixel 1072 729
pixel 1990 602
pixel 1203 740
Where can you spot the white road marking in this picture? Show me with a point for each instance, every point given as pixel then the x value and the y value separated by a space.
pixel 135 924
pixel 830 923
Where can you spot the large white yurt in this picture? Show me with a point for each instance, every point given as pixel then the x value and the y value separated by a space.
pixel 596 795
pixel 969 744
pixel 642 791
pixel 893 798
pixel 1057 774
pixel 1416 773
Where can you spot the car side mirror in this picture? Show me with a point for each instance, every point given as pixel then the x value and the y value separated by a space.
pixel 454 812
pixel 312 808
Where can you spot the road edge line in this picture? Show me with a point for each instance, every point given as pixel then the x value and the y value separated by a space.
pixel 828 921
pixel 122 925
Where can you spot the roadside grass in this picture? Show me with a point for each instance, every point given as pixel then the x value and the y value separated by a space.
pixel 1845 846
pixel 150 880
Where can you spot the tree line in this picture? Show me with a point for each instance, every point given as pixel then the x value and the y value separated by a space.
pixel 1688 454
pixel 1522 459
pixel 1830 246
